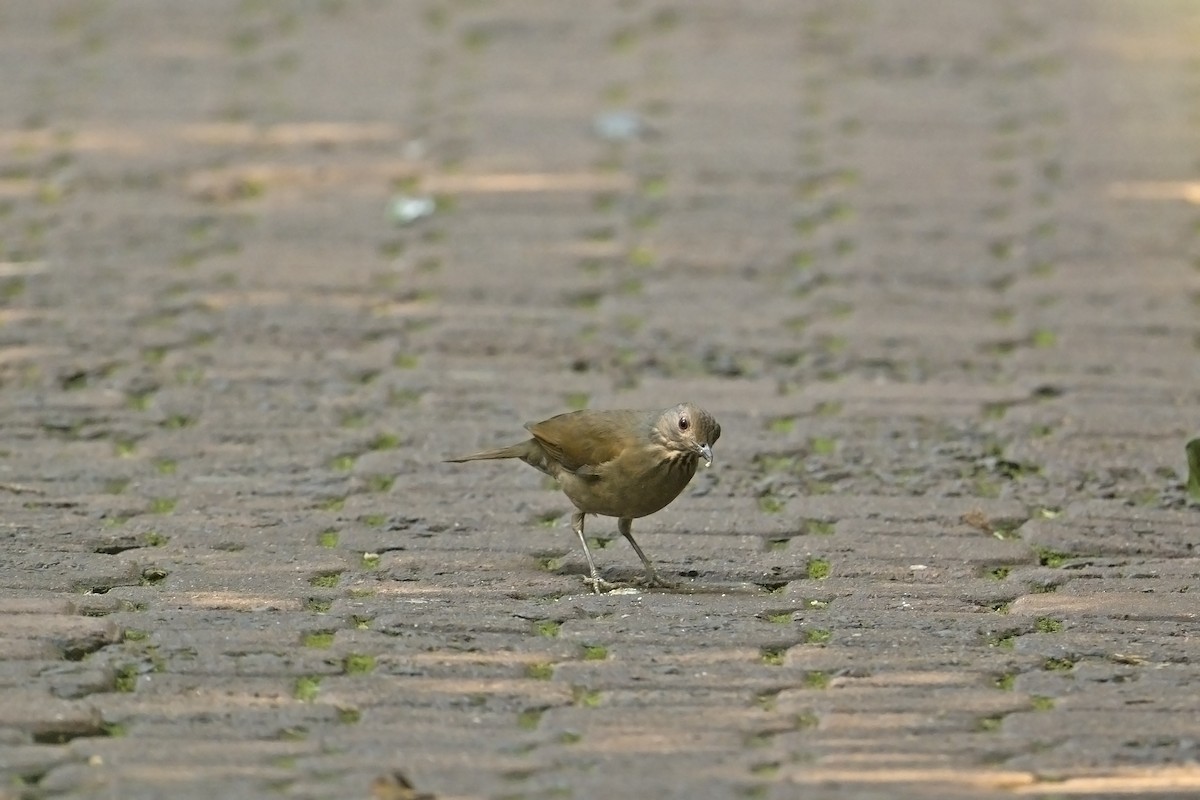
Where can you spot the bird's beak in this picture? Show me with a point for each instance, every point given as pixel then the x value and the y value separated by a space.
pixel 705 451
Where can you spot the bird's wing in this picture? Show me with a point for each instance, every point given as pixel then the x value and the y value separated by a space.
pixel 584 440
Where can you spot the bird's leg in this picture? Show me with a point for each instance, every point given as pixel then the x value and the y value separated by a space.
pixel 597 583
pixel 625 526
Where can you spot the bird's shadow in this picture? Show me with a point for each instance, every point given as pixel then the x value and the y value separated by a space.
pixel 688 583
pixel 752 589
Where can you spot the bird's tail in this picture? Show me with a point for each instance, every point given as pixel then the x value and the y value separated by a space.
pixel 525 450
pixel 515 451
pixel 528 451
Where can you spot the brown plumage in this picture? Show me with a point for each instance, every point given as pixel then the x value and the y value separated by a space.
pixel 623 464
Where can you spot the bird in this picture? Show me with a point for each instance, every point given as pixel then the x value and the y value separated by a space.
pixel 623 464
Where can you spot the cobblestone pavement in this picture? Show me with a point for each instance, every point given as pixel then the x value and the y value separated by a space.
pixel 935 267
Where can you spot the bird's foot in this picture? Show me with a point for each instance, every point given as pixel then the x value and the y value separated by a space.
pixel 599 585
pixel 651 580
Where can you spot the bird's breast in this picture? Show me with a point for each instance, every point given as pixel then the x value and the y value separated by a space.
pixel 632 485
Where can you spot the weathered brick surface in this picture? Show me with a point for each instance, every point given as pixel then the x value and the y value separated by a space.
pixel 933 265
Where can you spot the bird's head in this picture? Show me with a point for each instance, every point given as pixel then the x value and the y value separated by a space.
pixel 687 428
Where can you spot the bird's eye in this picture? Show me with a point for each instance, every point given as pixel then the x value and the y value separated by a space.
pixel 684 424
